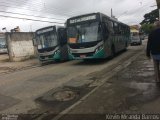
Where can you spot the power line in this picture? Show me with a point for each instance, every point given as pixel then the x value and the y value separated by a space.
pixel 48 11
pixel 3 4
pixel 21 2
pixel 45 9
pixel 135 10
pixel 16 7
pixel 30 15
pixel 30 19
pixel 138 9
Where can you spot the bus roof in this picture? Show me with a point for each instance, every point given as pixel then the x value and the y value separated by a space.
pixel 113 19
pixel 98 13
pixel 55 26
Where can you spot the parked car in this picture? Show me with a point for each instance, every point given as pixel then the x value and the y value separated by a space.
pixel 142 36
pixel 3 49
pixel 135 38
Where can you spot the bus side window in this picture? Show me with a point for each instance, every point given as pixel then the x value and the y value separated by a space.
pixel 105 30
pixel 117 30
pixel 120 30
pixel 110 24
pixel 100 32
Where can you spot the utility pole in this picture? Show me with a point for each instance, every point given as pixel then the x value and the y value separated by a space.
pixel 111 13
pixel 158 4
pixel 159 14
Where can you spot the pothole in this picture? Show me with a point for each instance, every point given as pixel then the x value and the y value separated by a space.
pixel 59 99
pixel 64 95
pixel 3 69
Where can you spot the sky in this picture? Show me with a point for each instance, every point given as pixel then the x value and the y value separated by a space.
pixel 55 12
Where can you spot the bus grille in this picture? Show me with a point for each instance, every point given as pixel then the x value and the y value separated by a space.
pixel 86 54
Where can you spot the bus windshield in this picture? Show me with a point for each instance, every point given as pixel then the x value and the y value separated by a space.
pixel 47 40
pixel 83 33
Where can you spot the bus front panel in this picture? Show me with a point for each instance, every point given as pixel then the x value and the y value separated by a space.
pixel 47 44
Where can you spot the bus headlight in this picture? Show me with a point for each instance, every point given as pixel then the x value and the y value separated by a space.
pixel 99 48
pixel 96 50
pixel 69 50
pixel 57 51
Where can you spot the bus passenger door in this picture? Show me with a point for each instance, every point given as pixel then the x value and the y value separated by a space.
pixel 62 35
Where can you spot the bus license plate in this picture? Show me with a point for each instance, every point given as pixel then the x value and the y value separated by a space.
pixel 46 58
pixel 82 56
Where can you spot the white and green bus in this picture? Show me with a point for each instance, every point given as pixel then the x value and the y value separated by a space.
pixel 95 36
pixel 51 44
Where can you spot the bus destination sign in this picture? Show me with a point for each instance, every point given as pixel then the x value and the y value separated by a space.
pixel 82 19
pixel 45 30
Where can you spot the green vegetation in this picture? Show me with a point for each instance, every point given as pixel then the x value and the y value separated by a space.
pixel 149 19
pixel 147 28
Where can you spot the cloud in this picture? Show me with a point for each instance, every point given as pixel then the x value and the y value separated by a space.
pixel 127 11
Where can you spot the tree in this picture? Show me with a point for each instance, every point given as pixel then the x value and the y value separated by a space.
pixel 151 17
pixel 147 28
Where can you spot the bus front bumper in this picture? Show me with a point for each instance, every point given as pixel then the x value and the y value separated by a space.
pixel 53 57
pixel 96 55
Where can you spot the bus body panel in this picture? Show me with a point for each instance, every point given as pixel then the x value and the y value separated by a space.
pixel 108 38
pixel 51 47
pixel 62 34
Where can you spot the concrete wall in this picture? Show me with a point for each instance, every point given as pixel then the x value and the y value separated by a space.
pixel 20 46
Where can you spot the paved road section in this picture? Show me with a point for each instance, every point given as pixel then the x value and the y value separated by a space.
pixel 31 90
pixel 132 90
pixel 9 67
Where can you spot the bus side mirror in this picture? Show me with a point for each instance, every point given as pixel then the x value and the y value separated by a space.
pixel 105 31
pixel 62 33
pixel 63 41
pixel 120 32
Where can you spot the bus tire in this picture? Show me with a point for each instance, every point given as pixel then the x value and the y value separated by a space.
pixel 126 45
pixel 141 43
pixel 112 51
pixel 41 63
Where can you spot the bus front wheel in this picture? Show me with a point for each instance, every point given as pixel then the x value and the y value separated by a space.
pixel 112 51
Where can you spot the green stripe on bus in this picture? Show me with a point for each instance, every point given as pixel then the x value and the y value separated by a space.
pixel 57 56
pixel 100 54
